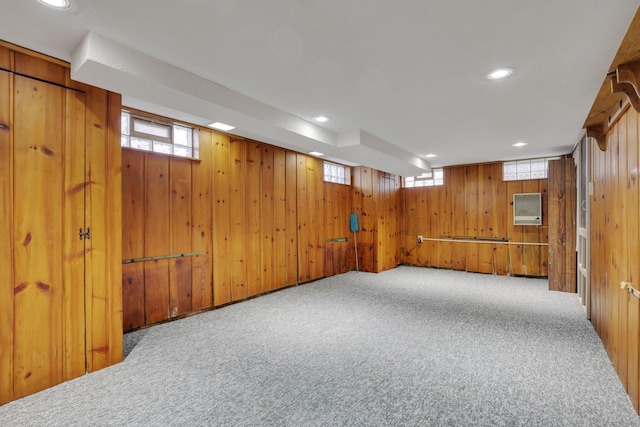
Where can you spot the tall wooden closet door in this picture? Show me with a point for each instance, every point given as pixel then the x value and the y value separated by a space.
pixel 48 211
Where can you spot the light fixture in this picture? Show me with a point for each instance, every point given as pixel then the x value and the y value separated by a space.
pixel 221 126
pixel 58 4
pixel 500 73
pixel 321 119
pixel 430 155
pixel 519 144
pixel 315 153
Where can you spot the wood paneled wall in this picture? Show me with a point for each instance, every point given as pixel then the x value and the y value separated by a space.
pixel 474 203
pixel 263 217
pixel 60 297
pixel 377 202
pixel 562 229
pixel 615 236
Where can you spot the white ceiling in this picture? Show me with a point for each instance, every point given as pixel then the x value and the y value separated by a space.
pixel 399 79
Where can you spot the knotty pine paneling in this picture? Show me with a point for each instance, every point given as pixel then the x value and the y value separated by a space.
pixel 614 247
pixel 259 214
pixel 339 256
pixel 202 226
pixel 267 224
pixel 180 205
pixel 562 244
pixel 237 220
pixel 6 229
pixel 474 202
pixel 60 298
pixel 253 216
pixel 378 204
pixel 103 262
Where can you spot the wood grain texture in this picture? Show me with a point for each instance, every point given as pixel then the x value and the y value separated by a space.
pixel 221 220
pixel 74 248
pixel 157 220
pixel 614 248
pixel 180 216
pixel 38 239
pixel 6 228
pixel 562 258
pixel 279 218
pixel 267 220
pixel 476 203
pixel 253 202
pixel 237 219
pixel 202 226
pixel 291 207
pixel 60 158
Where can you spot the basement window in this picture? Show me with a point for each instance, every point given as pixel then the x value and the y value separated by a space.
pixel 427 179
pixel 149 134
pixel 337 173
pixel 526 169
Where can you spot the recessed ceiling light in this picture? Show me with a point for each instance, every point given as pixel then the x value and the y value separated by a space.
pixel 321 119
pixel 500 73
pixel 315 153
pixel 58 4
pixel 430 155
pixel 221 126
pixel 519 144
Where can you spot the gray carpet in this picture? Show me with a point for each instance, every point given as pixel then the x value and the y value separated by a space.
pixel 411 346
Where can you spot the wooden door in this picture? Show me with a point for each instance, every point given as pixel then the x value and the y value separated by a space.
pixel 562 225
pixel 43 188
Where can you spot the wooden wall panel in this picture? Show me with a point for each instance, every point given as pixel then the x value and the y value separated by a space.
pixel 103 263
pixel 221 221
pixel 562 202
pixel 315 200
pixel 74 248
pixel 237 219
pixel 633 229
pixel 267 225
pixel 279 218
pixel 38 248
pixel 133 197
pixel 180 269
pixel 614 248
pixel 157 221
pixel 6 229
pixel 291 220
pixel 253 215
pixel 303 214
pixel 377 200
pixel 474 203
pixel 60 170
pixel 458 180
pixel 202 225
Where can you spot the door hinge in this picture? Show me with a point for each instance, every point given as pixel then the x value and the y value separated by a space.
pixel 84 234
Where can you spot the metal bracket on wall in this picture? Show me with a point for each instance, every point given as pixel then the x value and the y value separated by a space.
pixel 153 258
pixel 627 286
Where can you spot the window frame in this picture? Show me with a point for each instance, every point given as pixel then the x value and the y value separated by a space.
pixel 192 150
pixel 346 172
pixel 529 171
pixel 435 178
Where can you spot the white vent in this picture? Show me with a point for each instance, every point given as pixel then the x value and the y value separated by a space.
pixel 527 209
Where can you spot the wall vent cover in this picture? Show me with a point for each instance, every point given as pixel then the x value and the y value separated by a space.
pixel 527 209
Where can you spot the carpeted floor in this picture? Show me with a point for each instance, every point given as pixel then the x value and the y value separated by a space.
pixel 411 346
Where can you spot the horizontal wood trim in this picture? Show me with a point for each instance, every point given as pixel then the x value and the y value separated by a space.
pixel 153 258
pixel 492 242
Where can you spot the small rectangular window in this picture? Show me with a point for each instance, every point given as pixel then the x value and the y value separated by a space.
pixel 526 169
pixel 427 179
pixel 337 173
pixel 147 134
